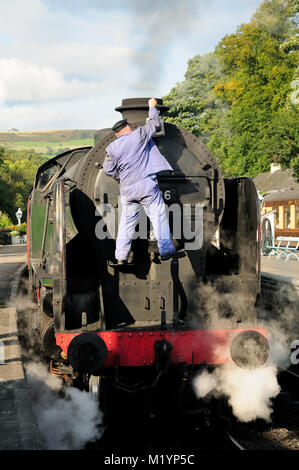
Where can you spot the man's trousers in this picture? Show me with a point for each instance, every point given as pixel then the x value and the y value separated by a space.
pixel 145 193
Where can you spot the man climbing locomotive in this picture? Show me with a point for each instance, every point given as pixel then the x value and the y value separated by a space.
pixel 133 160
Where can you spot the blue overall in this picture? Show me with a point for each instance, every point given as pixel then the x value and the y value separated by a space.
pixel 133 160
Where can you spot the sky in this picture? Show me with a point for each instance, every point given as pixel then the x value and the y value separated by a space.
pixel 66 64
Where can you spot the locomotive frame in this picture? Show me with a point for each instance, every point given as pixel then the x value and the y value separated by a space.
pixel 141 323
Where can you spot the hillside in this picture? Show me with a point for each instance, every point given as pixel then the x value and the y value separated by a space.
pixel 47 142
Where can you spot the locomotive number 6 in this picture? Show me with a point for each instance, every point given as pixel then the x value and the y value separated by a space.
pixel 169 195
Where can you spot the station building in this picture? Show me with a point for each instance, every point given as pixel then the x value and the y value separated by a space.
pixel 280 192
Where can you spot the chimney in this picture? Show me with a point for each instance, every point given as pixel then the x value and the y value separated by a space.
pixel 136 109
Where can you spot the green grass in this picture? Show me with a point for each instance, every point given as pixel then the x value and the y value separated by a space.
pixel 47 142
pixel 47 148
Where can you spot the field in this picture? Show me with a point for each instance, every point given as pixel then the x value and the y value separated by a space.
pixel 47 142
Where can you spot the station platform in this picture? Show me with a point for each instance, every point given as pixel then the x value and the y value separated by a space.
pixel 18 427
pixel 288 270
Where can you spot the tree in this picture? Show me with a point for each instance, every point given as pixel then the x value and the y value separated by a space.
pixel 238 99
pixel 17 171
pixel 4 220
pixel 193 103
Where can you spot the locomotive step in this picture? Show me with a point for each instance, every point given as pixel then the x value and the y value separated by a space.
pixel 120 263
pixel 174 255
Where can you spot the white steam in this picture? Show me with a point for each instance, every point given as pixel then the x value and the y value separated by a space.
pixel 249 392
pixel 68 419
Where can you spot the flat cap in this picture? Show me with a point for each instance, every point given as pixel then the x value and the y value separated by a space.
pixel 119 125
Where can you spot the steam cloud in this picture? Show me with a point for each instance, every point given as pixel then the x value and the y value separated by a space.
pixel 249 392
pixel 155 25
pixel 67 417
pixel 67 421
pixel 160 23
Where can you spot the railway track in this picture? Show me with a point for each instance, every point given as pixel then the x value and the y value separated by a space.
pixel 159 437
pixel 226 442
pixel 235 442
pixel 162 437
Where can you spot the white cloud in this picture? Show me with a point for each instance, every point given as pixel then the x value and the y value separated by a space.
pixel 24 21
pixel 76 60
pixel 84 57
pixel 22 18
pixel 24 81
pixel 95 112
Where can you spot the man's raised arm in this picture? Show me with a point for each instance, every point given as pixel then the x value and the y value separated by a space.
pixel 153 124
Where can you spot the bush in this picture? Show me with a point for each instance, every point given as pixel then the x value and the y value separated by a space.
pixel 5 221
pixel 21 229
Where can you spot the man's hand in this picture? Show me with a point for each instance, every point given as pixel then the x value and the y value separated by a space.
pixel 152 102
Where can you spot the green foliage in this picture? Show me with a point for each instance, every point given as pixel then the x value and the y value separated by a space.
pixel 18 166
pixel 238 99
pixel 193 103
pixel 23 229
pixel 5 221
pixel 20 229
pixel 17 171
pixel 66 149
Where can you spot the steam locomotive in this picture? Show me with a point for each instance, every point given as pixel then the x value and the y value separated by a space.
pixel 142 328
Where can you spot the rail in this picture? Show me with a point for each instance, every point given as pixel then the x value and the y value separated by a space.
pixel 235 442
